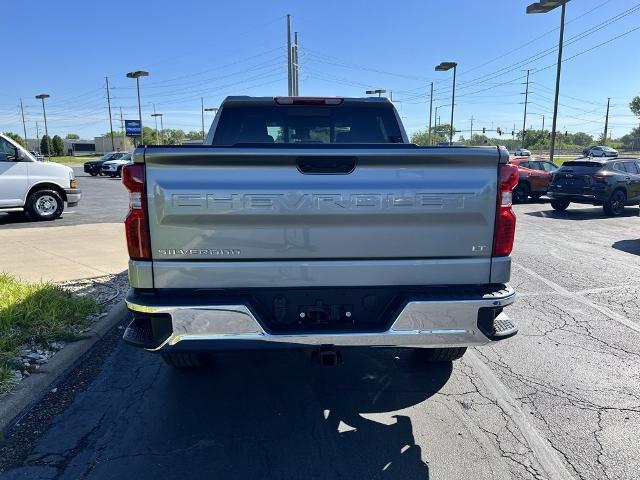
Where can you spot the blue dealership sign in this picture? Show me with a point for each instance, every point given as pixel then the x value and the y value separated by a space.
pixel 132 128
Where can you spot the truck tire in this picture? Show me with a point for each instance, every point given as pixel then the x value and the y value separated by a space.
pixel 183 360
pixel 44 204
pixel 615 205
pixel 441 354
pixel 521 193
pixel 536 196
pixel 560 205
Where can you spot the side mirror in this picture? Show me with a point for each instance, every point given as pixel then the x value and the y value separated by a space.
pixel 20 156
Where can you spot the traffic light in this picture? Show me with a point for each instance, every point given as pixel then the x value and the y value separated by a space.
pixel 499 131
pixel 484 130
pixel 513 132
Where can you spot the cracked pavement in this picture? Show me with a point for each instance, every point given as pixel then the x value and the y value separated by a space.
pixel 559 400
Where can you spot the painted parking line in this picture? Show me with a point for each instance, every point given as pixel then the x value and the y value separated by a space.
pixel 581 299
pixel 542 450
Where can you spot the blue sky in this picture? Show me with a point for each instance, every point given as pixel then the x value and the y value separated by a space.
pixel 213 49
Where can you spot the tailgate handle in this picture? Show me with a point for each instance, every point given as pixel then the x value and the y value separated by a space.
pixel 326 165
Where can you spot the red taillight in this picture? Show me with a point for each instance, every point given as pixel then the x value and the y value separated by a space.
pixel 505 228
pixel 136 224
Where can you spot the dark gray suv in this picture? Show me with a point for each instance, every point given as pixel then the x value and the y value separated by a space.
pixel 610 182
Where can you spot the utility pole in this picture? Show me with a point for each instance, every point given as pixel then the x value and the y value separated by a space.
pixel 606 122
pixel 430 111
pixel 542 127
pixel 471 134
pixel 202 111
pixel 296 71
pixel 37 137
pixel 155 117
pixel 124 143
pixel 24 125
pixel 524 120
pixel 113 147
pixel 289 63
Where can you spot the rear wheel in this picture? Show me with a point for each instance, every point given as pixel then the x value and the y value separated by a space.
pixel 521 193
pixel 560 205
pixel 615 205
pixel 536 196
pixel 45 205
pixel 93 174
pixel 183 360
pixel 441 354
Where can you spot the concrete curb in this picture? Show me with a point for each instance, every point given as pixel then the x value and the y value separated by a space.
pixel 29 391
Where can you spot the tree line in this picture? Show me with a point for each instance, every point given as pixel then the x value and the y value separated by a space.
pixel 534 139
pixel 56 143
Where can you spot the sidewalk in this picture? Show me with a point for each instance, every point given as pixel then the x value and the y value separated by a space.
pixel 63 253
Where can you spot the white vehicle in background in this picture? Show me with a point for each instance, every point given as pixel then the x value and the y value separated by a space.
pixel 113 168
pixel 37 156
pixel 522 152
pixel 39 189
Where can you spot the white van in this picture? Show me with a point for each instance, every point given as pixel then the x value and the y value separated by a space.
pixel 38 188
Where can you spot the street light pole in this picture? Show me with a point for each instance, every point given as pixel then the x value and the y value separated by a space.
pixel 289 58
pixel 443 67
pixel 606 122
pixel 430 111
pixel 137 74
pixel 42 96
pixel 545 6
pixel 524 120
pixel 453 104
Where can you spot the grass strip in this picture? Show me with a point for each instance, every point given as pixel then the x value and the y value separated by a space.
pixel 37 314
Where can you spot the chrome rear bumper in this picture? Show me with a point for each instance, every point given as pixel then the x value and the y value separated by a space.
pixel 446 322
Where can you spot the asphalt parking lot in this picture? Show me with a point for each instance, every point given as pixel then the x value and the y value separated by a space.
pixel 104 200
pixel 560 400
pixel 87 241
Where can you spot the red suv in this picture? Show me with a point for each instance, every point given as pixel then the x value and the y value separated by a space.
pixel 534 176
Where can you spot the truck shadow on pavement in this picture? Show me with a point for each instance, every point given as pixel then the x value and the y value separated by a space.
pixel 249 415
pixel 276 415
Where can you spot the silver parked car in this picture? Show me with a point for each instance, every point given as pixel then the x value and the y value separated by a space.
pixel 600 151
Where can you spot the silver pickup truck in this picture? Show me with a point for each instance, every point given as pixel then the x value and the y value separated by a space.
pixel 314 223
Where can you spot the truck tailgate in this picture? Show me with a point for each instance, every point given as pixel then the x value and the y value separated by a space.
pixel 249 215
